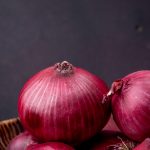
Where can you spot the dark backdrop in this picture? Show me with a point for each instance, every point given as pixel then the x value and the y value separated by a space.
pixel 108 38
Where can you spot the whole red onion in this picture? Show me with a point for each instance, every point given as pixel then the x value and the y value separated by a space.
pixel 21 141
pixel 108 140
pixel 63 103
pixel 130 99
pixel 50 146
pixel 145 145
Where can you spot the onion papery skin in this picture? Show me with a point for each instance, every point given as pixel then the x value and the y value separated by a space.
pixel 50 146
pixel 131 105
pixel 63 106
pixel 145 145
pixel 21 141
pixel 108 140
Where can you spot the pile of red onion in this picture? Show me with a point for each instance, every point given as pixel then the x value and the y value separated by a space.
pixel 63 107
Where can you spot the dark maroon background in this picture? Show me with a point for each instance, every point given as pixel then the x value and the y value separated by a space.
pixel 108 38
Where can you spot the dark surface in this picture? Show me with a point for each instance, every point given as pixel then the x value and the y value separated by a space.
pixel 108 38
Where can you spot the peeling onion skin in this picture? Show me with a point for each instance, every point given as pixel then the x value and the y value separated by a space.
pixel 145 145
pixel 21 141
pixel 50 146
pixel 63 104
pixel 131 104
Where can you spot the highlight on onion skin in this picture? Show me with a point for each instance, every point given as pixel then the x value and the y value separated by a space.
pixel 145 145
pixel 50 146
pixel 130 100
pixel 108 140
pixel 21 141
pixel 63 103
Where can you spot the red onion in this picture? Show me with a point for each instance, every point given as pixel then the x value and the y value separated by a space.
pixel 145 145
pixel 131 104
pixel 63 103
pixel 108 140
pixel 111 125
pixel 50 146
pixel 21 141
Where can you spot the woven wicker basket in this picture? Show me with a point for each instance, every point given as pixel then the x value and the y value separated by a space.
pixel 8 130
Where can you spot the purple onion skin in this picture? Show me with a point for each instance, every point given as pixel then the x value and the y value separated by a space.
pixel 63 105
pixel 145 145
pixel 131 105
pixel 50 146
pixel 111 125
pixel 21 141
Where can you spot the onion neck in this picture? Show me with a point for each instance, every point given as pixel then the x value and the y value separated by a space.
pixel 64 68
pixel 115 88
